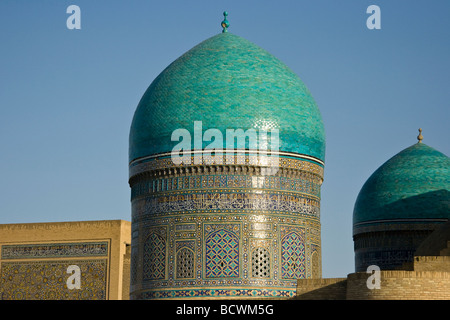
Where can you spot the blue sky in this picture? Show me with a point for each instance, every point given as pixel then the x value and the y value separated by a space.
pixel 67 97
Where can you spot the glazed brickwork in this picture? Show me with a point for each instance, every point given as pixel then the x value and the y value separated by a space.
pixel 36 260
pixel 389 250
pixel 227 82
pixel 224 231
pixel 221 226
pixel 413 184
pixel 399 206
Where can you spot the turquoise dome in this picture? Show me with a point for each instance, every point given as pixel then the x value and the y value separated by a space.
pixel 414 184
pixel 227 82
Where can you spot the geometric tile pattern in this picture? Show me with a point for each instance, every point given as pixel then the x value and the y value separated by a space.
pixel 154 257
pixel 292 257
pixel 214 293
pixel 222 254
pixel 223 234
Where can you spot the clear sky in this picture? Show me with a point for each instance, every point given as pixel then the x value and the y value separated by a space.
pixel 67 97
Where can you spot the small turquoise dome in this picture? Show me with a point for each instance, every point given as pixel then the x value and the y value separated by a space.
pixel 414 184
pixel 227 82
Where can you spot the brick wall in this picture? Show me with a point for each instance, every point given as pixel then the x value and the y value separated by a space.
pixel 439 263
pixel 395 285
pixel 401 285
pixel 321 289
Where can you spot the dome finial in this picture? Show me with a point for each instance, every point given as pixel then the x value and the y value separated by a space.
pixel 225 24
pixel 420 137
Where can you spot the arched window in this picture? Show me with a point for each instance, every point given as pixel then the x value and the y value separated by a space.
pixel 185 263
pixel 222 254
pixel 154 258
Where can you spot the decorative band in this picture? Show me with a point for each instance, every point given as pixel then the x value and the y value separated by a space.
pixel 216 202
pixel 216 293
pixel 146 187
pixel 258 159
pixel 228 152
pixel 396 225
pixel 54 250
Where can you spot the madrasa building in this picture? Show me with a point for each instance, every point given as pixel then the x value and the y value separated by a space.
pixel 226 163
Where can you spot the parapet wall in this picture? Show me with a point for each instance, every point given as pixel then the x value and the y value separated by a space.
pixel 322 289
pixel 394 285
pixel 400 285
pixel 432 263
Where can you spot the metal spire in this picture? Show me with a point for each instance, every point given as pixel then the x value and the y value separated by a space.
pixel 225 24
pixel 420 137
